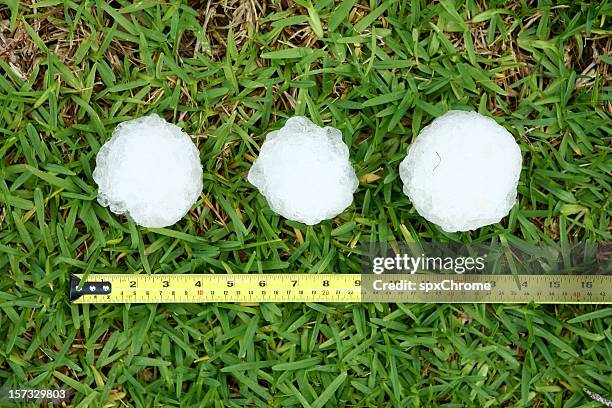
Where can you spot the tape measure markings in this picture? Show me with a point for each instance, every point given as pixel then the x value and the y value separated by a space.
pixel 339 288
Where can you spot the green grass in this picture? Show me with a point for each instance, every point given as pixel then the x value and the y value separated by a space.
pixel 379 71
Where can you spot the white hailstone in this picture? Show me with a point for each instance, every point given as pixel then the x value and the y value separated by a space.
pixel 462 171
pixel 304 172
pixel 149 170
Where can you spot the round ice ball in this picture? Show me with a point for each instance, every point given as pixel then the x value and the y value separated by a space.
pixel 149 170
pixel 462 171
pixel 303 171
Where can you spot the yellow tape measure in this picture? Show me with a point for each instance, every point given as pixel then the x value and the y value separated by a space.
pixel 339 288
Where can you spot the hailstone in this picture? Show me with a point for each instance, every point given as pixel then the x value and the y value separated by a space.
pixel 149 170
pixel 462 171
pixel 304 172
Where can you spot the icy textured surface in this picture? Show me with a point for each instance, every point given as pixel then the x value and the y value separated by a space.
pixel 304 172
pixel 150 170
pixel 462 171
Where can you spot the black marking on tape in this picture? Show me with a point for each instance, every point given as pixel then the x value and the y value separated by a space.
pixel 88 288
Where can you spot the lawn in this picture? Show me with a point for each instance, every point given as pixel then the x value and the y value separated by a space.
pixel 230 71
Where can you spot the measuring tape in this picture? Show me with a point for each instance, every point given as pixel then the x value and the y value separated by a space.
pixel 341 288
